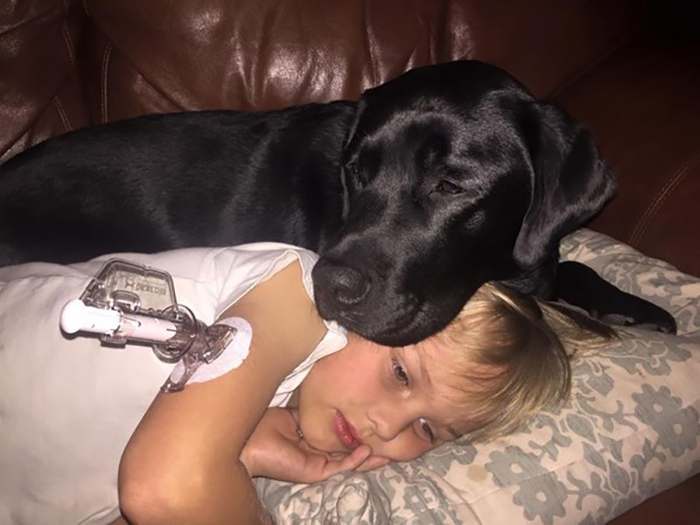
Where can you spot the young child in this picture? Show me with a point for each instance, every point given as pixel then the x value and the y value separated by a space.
pixel 499 362
pixel 72 409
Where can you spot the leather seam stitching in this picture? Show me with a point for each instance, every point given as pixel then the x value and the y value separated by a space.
pixel 103 84
pixel 62 114
pixel 644 223
pixel 66 35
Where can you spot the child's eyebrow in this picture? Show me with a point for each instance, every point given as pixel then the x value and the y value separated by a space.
pixel 424 369
pixel 425 375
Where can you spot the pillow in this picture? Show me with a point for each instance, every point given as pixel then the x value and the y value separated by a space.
pixel 630 430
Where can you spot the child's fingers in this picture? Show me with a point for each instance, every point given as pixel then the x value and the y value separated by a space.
pixel 359 460
pixel 357 457
pixel 362 461
pixel 350 462
pixel 371 463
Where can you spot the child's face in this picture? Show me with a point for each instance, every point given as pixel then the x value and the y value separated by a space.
pixel 390 399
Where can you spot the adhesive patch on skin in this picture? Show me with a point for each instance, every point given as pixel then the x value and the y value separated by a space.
pixel 232 356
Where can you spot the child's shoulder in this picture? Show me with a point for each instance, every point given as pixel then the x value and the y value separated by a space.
pixel 242 268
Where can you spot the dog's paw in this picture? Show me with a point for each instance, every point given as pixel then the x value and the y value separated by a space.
pixel 654 318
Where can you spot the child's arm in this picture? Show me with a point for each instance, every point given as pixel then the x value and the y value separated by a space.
pixel 182 463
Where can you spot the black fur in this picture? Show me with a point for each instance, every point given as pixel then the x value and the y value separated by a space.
pixel 433 183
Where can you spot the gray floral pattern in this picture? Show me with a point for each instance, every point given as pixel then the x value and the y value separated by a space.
pixel 630 430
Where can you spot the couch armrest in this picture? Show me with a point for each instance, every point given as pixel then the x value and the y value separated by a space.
pixel 643 109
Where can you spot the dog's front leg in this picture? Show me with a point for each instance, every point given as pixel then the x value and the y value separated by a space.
pixel 581 286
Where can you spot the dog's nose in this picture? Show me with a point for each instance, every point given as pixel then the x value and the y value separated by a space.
pixel 348 285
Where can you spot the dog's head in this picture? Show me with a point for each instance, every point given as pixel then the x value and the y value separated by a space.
pixel 455 175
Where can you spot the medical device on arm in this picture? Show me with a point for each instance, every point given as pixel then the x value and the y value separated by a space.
pixel 127 302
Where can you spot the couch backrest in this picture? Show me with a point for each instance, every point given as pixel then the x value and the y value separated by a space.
pixel 264 54
pixel 65 63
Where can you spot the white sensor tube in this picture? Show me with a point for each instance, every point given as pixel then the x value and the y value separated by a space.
pixel 76 316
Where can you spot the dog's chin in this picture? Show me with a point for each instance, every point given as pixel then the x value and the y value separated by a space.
pixel 400 329
pixel 401 336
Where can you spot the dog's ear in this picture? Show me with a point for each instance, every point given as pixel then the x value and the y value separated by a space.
pixel 570 182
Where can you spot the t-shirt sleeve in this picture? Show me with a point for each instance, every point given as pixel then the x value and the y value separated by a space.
pixel 239 270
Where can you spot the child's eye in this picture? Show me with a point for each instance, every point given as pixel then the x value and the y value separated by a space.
pixel 399 372
pixel 425 427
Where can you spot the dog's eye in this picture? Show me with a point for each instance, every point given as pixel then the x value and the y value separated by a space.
pixel 445 186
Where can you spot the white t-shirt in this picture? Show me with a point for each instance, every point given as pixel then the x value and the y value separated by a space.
pixel 69 405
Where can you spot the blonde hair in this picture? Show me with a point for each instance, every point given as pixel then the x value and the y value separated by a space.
pixel 511 358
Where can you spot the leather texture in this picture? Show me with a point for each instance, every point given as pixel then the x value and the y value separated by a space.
pixel 41 91
pixel 270 54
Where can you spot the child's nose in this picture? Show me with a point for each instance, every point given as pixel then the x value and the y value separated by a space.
pixel 389 422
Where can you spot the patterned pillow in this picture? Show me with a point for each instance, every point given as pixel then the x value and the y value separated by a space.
pixel 630 431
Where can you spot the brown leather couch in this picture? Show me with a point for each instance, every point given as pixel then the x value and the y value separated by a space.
pixel 628 69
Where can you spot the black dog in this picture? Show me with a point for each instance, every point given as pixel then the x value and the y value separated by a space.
pixel 434 183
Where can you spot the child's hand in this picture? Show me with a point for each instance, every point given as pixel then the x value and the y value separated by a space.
pixel 276 451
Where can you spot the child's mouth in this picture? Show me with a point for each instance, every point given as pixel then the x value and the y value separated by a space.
pixel 345 432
